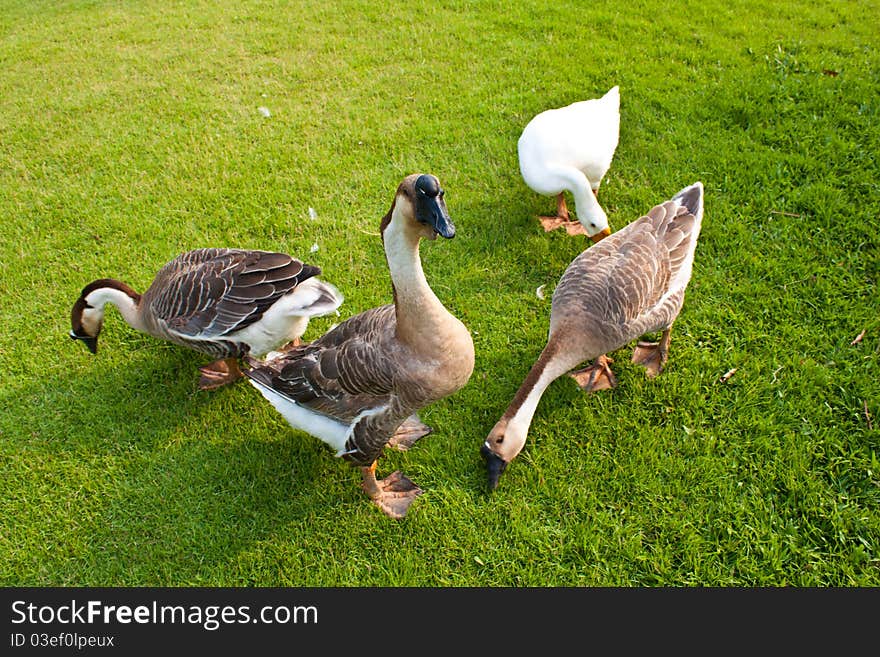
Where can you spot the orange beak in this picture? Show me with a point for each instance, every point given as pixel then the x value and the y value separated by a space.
pixel 602 234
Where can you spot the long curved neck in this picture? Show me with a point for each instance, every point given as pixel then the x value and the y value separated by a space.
pixel 522 408
pixel 553 362
pixel 586 205
pixel 126 300
pixel 417 308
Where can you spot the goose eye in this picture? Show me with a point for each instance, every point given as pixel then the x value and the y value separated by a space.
pixel 592 225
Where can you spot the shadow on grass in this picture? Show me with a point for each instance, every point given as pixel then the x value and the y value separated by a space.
pixel 129 475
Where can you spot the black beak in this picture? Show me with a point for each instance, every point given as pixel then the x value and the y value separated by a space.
pixel 431 208
pixel 440 220
pixel 495 465
pixel 91 343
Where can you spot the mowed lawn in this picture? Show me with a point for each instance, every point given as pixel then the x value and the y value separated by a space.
pixel 132 131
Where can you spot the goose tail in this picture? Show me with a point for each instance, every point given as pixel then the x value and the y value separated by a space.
pixel 314 297
pixel 691 197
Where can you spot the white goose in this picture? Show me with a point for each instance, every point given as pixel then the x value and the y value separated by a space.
pixel 629 284
pixel 221 302
pixel 359 385
pixel 570 149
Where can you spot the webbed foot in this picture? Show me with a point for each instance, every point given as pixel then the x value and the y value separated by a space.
pixel 652 355
pixel 394 494
pixel 597 376
pixel 562 218
pixel 572 227
pixel 649 355
pixel 219 373
pixel 408 433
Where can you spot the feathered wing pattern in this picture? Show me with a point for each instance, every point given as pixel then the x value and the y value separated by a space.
pixel 674 241
pixel 345 374
pixel 209 293
pixel 633 281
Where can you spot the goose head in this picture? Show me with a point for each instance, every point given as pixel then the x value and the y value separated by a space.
pixel 86 322
pixel 420 207
pixel 595 223
pixel 87 314
pixel 504 442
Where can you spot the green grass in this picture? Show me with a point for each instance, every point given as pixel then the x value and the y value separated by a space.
pixel 130 131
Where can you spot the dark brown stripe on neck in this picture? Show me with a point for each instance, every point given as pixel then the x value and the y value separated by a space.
pixel 111 283
pixel 547 354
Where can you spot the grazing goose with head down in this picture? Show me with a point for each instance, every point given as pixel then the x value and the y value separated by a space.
pixel 629 284
pixel 358 386
pixel 222 302
pixel 570 149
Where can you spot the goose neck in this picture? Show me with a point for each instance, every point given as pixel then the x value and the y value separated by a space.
pixel 414 299
pixel 587 207
pixel 525 402
pixel 125 300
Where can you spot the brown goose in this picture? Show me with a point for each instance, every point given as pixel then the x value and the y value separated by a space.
pixel 221 302
pixel 629 284
pixel 358 386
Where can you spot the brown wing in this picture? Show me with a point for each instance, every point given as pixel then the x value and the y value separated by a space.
pixel 622 280
pixel 344 372
pixel 207 293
